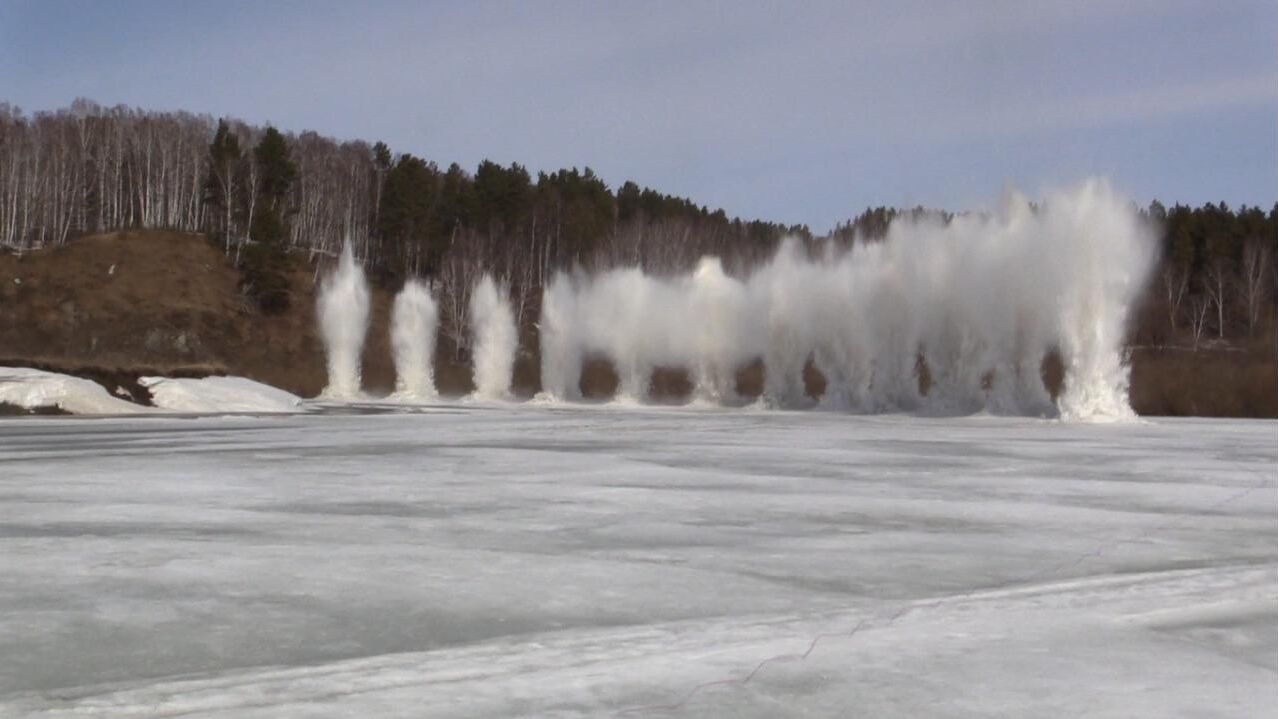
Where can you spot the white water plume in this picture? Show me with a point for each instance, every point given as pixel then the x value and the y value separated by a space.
pixel 561 350
pixel 343 320
pixel 414 317
pixel 495 338
pixel 980 299
pixel 1105 277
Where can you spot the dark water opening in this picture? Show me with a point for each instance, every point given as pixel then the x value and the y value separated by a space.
pixel 671 385
pixel 599 379
pixel 750 379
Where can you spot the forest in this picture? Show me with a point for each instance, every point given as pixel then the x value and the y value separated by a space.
pixel 270 198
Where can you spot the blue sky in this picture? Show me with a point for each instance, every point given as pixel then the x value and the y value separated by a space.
pixel 795 112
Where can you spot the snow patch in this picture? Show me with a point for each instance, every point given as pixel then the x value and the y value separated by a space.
pixel 218 394
pixel 35 389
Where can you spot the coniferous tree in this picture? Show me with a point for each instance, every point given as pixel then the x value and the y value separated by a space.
pixel 276 173
pixel 265 264
pixel 405 220
pixel 221 183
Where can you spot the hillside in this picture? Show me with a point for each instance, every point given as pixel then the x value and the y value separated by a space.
pixel 119 305
pixel 123 303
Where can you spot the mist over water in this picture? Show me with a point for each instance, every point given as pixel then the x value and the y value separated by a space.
pixel 495 339
pixel 938 317
pixel 343 320
pixel 980 301
pixel 414 317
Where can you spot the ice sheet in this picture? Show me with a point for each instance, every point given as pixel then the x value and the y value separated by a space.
pixel 583 561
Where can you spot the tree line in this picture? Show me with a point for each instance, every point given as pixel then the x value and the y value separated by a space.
pixel 265 195
pixel 260 192
pixel 1218 274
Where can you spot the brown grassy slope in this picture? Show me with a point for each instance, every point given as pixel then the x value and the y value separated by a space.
pixel 1239 381
pixel 163 302
pixel 172 306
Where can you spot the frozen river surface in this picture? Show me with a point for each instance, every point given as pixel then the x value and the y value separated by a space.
pixel 535 561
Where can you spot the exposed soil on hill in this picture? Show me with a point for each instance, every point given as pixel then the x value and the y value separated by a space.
pixel 117 306
pixel 124 303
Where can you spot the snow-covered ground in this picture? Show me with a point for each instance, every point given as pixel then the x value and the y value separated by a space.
pixel 482 561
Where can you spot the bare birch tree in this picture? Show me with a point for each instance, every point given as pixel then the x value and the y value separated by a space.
pixel 1254 281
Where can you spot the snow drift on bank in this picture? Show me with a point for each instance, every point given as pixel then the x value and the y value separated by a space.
pixel 218 394
pixel 36 389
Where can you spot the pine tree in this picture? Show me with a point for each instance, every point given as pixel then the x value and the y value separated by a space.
pixel 406 220
pixel 277 171
pixel 264 270
pixel 220 186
